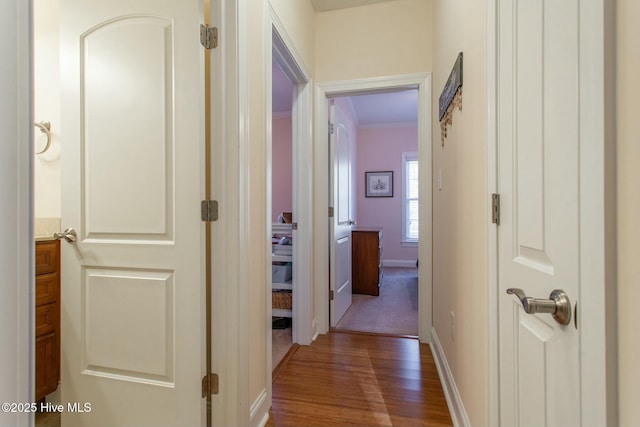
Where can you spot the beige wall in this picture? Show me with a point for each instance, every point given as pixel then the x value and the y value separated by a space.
pixel 46 166
pixel 384 39
pixel 460 208
pixel 628 131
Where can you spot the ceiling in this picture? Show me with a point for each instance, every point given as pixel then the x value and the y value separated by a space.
pixel 380 109
pixel 324 5
pixel 282 90
pixel 370 110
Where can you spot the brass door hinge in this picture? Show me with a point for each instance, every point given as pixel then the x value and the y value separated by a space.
pixel 330 211
pixel 210 384
pixel 330 295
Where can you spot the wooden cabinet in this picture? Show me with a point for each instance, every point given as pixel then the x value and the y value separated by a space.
pixel 47 318
pixel 366 260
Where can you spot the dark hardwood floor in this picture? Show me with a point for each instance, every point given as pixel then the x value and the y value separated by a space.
pixel 350 379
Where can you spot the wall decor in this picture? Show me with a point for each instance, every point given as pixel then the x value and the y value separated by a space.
pixel 378 184
pixel 451 97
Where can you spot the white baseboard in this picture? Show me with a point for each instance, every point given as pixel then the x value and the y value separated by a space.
pixel 454 401
pixel 407 263
pixel 259 413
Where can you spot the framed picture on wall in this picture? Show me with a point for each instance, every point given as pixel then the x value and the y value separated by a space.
pixel 378 184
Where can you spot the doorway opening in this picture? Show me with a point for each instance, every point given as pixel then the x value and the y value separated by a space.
pixel 289 204
pixel 160 259
pixel 421 83
pixel 375 180
pixel 47 208
pixel 283 271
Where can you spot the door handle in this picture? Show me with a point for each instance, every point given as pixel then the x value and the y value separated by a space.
pixel 351 222
pixel 69 235
pixel 558 304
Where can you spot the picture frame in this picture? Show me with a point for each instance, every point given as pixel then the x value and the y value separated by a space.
pixel 378 184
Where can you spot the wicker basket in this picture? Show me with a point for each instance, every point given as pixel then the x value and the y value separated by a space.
pixel 281 300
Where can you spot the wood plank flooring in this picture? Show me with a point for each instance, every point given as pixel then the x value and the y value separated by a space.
pixel 348 379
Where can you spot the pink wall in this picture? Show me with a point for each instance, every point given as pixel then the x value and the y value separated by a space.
pixel 380 149
pixel 281 167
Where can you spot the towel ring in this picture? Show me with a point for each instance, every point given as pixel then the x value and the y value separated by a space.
pixel 45 127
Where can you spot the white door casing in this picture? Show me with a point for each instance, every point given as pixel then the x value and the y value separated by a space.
pixel 341 193
pixel 16 198
pixel 132 178
pixel 322 233
pixel 550 126
pixel 281 50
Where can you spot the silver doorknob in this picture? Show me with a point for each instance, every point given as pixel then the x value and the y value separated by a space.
pixel 351 222
pixel 69 235
pixel 558 304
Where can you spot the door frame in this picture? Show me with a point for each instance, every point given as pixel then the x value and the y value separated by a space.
pixel 17 356
pixel 279 47
pixel 598 349
pixel 287 55
pixel 16 128
pixel 422 82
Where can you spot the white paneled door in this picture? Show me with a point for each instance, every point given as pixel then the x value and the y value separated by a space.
pixel 541 80
pixel 132 168
pixel 341 193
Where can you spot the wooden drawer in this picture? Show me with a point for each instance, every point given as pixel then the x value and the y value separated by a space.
pixel 46 319
pixel 47 289
pixel 47 260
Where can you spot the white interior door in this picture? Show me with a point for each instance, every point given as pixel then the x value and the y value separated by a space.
pixel 539 233
pixel 132 174
pixel 340 191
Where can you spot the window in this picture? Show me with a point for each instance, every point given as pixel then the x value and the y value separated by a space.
pixel 410 195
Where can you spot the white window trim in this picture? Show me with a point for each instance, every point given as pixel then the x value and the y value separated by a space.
pixel 406 156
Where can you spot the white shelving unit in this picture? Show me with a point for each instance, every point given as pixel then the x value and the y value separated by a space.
pixel 282 253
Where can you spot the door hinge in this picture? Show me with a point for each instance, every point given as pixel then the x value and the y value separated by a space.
pixel 208 36
pixel 330 211
pixel 332 128
pixel 294 225
pixel 495 209
pixel 209 210
pixel 330 295
pixel 210 384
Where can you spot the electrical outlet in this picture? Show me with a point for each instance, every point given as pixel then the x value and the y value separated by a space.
pixel 452 322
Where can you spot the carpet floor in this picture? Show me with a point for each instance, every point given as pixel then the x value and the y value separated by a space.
pixel 393 312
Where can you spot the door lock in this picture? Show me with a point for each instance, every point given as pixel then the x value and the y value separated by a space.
pixel 69 235
pixel 558 304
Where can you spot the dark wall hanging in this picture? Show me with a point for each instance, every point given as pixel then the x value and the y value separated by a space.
pixel 378 184
pixel 450 97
